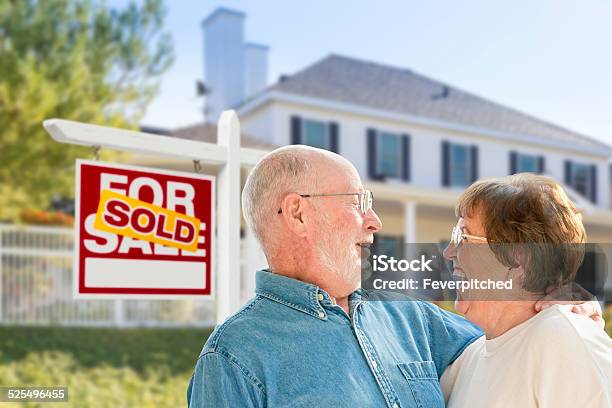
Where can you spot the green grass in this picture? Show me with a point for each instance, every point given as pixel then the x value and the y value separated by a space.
pixel 102 367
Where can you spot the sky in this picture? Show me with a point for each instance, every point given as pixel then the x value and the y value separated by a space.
pixel 549 58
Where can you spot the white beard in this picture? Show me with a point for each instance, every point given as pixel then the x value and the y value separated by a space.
pixel 334 251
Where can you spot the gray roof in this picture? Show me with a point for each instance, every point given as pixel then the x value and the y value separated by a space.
pixel 398 90
pixel 206 132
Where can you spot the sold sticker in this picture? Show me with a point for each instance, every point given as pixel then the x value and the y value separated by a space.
pixel 137 219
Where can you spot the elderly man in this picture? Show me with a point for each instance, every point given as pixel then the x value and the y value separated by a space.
pixel 307 338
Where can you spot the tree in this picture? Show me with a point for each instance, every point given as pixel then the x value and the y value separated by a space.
pixel 78 60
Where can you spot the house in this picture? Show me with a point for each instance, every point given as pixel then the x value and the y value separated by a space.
pixel 416 142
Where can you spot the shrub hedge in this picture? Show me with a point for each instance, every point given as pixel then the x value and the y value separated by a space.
pixel 102 368
pixel 175 349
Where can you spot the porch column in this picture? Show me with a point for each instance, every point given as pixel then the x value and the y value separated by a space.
pixel 410 208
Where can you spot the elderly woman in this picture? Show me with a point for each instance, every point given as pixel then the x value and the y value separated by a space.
pixel 525 229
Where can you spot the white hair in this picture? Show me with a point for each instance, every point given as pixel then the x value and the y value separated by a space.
pixel 288 169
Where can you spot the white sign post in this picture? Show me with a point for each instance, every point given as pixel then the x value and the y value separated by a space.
pixel 227 154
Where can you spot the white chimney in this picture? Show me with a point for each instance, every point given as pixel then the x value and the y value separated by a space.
pixel 256 68
pixel 223 61
pixel 233 70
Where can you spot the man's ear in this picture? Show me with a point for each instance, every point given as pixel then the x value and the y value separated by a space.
pixel 292 208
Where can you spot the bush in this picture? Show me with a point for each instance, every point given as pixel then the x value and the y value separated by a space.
pixel 100 386
pixel 103 367
pixel 139 349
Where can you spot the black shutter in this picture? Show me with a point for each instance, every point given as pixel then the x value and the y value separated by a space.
pixel 474 162
pixel 406 157
pixel 296 130
pixel 513 162
pixel 372 173
pixel 594 183
pixel 541 164
pixel 333 137
pixel 568 173
pixel 445 163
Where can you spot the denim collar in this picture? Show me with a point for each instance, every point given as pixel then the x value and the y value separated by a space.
pixel 296 294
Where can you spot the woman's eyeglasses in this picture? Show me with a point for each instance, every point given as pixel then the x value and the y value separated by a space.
pixel 458 236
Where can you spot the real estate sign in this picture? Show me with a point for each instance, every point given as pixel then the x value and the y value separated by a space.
pixel 142 233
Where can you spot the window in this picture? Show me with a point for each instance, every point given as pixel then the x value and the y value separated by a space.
pixel 388 155
pixel 580 178
pixel 526 163
pixel 315 134
pixel 460 165
pixel 389 160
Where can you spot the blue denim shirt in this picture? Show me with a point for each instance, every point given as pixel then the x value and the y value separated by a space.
pixel 291 346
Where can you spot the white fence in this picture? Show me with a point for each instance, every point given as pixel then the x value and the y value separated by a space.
pixel 36 287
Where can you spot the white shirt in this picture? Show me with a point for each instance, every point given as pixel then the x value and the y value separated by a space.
pixel 555 359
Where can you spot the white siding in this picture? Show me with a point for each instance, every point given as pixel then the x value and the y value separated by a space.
pixel 261 124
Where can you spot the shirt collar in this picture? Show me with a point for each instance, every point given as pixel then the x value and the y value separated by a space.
pixel 302 296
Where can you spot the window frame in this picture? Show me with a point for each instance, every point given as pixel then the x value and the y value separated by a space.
pixel 400 155
pixel 533 157
pixel 451 164
pixel 588 193
pixel 327 135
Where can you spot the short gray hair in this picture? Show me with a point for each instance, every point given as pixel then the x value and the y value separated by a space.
pixel 284 170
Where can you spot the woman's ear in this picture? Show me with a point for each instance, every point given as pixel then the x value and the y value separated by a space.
pixel 517 274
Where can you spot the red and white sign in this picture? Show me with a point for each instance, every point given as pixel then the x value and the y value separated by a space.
pixel 142 233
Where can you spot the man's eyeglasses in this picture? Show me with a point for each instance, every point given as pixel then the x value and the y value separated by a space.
pixel 365 199
pixel 458 236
